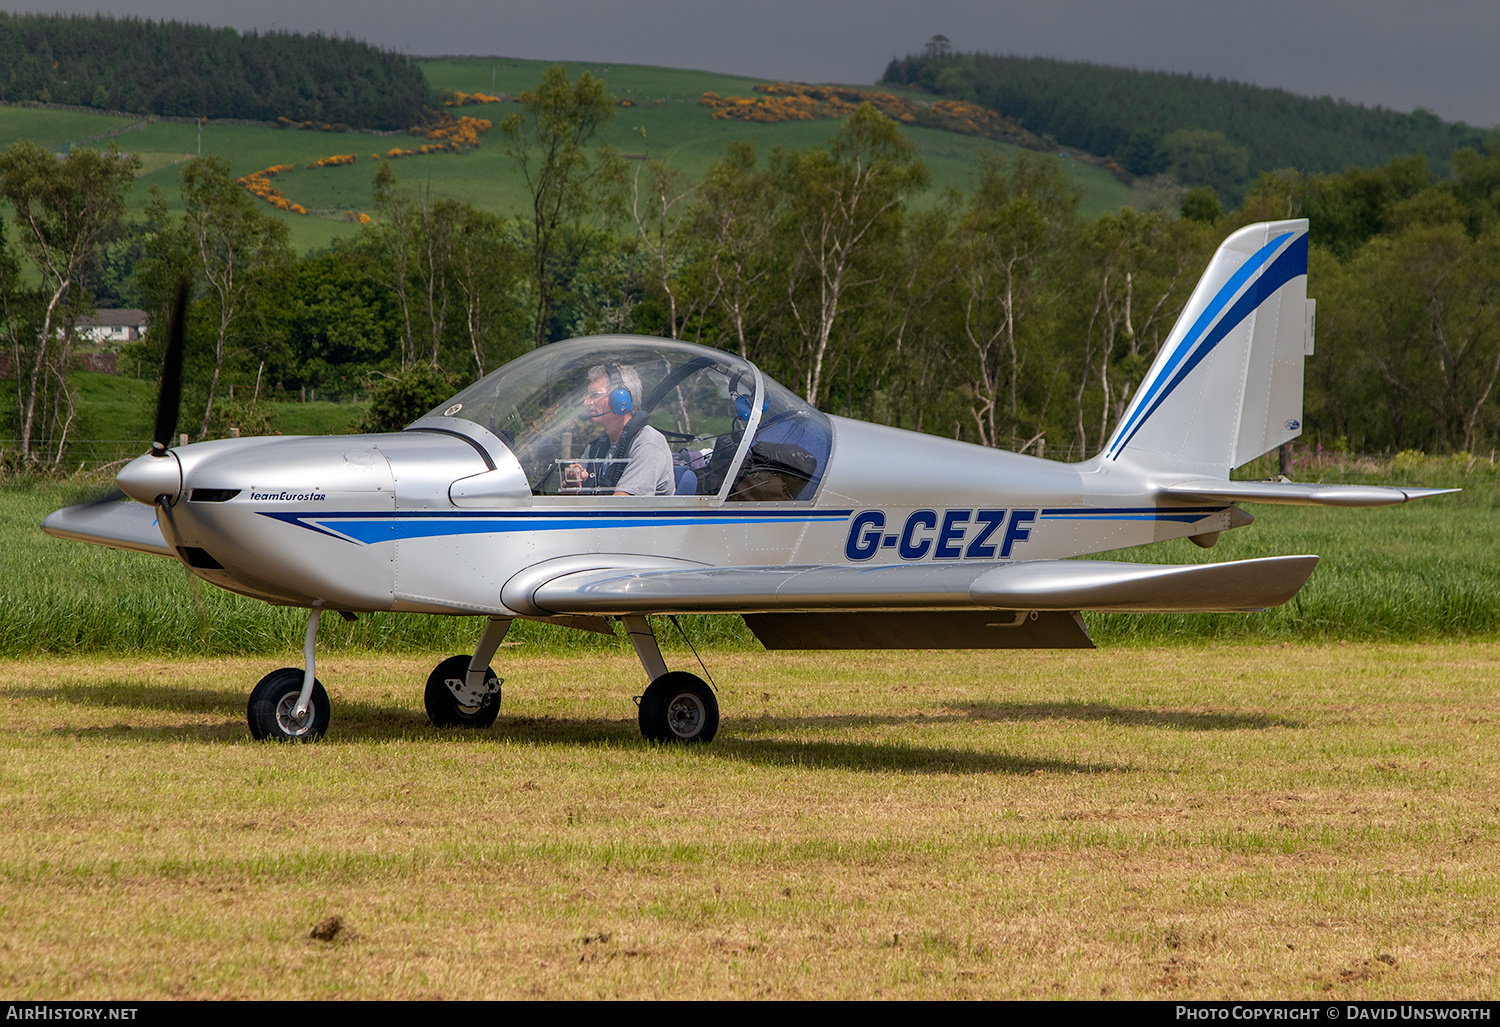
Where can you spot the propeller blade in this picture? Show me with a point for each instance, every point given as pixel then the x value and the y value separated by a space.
pixel 170 396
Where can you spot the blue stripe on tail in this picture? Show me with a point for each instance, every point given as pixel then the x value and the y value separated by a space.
pixel 1197 344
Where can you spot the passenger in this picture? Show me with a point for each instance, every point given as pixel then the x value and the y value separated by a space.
pixel 631 458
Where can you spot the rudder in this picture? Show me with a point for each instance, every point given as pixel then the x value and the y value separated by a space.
pixel 1227 385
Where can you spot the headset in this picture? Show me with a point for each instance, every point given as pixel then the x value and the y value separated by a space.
pixel 620 400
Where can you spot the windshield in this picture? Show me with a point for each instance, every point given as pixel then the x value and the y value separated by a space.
pixel 554 406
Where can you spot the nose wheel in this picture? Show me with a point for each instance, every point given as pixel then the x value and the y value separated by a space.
pixel 273 704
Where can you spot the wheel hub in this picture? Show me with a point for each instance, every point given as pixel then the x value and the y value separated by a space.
pixel 686 715
pixel 471 700
pixel 287 719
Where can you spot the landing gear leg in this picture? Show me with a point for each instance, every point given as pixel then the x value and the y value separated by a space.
pixel 309 663
pixel 677 707
pixel 644 640
pixel 494 634
pixel 463 691
pixel 290 705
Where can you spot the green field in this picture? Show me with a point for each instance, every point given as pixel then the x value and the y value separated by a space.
pixel 678 131
pixel 115 415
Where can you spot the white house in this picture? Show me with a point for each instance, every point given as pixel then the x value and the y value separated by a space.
pixel 113 326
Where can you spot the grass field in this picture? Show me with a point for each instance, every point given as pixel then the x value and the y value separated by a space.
pixel 1197 821
pixel 677 131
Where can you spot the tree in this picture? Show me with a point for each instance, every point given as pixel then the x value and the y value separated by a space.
pixel 1018 221
pixel 395 240
pixel 241 252
pixel 547 145
pixel 341 324
pixel 1432 330
pixel 657 224
pixel 1200 157
pixel 63 208
pixel 485 264
pixel 844 200
pixel 1138 272
pixel 439 257
pixel 737 214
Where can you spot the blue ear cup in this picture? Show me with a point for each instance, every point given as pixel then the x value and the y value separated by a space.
pixel 619 401
pixel 742 406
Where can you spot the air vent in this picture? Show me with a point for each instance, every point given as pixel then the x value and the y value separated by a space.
pixel 199 558
pixel 212 495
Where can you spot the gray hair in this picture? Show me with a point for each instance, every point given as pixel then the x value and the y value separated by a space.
pixel 628 378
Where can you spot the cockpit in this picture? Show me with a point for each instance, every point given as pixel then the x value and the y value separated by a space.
pixel 572 414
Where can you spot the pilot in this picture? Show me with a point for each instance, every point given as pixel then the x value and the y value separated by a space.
pixel 631 458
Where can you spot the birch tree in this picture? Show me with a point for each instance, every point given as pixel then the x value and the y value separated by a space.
pixel 240 251
pixel 63 210
pixel 844 199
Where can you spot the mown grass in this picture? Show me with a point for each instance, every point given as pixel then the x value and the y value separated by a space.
pixel 1195 822
pixel 677 130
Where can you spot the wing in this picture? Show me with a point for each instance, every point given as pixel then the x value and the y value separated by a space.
pixel 123 525
pixel 910 606
pixel 1061 585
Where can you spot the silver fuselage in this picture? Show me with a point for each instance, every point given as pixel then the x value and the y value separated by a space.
pixel 440 519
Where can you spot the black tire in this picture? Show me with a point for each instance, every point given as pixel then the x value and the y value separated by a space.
pixel 679 707
pixel 272 702
pixel 444 708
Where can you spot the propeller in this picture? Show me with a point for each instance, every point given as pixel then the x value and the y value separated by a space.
pixel 169 398
pixel 169 395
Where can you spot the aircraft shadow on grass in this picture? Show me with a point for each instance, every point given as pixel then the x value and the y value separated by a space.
pixel 130 695
pixel 369 722
pixel 968 710
pixel 877 757
pixel 1180 720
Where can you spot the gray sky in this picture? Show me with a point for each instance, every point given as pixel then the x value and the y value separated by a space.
pixel 1397 53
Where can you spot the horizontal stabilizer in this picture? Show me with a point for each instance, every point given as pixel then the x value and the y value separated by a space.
pixel 122 525
pixel 1032 585
pixel 1207 490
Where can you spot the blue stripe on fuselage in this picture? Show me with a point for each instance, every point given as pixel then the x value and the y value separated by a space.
pixel 1185 515
pixel 384 526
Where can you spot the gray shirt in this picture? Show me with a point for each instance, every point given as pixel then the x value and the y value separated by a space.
pixel 649 472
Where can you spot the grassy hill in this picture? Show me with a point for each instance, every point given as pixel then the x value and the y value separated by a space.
pixel 677 130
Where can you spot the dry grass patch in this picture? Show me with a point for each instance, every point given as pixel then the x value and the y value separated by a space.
pixel 1245 821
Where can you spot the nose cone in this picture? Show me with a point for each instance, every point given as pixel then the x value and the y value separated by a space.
pixel 146 477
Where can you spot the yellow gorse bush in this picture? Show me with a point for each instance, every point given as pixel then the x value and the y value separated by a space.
pixel 461 99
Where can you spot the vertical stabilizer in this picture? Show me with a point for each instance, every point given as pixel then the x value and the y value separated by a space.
pixel 1227 385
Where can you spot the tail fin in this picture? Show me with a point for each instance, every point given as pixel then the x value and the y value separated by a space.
pixel 1227 385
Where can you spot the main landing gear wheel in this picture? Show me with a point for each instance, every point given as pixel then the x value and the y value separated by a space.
pixel 449 701
pixel 273 706
pixel 679 707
